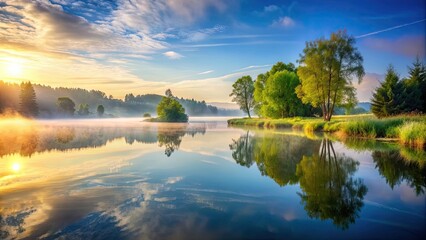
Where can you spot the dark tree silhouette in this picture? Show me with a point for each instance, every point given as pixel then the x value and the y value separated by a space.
pixel 27 100
pixel 100 110
pixel 66 106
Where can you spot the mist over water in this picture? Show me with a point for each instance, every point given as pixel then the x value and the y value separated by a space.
pixel 128 179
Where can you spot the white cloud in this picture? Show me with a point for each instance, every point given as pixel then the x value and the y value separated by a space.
pixel 172 55
pixel 253 67
pixel 286 22
pixel 202 34
pixel 206 72
pixel 367 86
pixel 271 8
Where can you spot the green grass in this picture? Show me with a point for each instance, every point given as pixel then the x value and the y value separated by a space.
pixel 410 130
pixel 413 134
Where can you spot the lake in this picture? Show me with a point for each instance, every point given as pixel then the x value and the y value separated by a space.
pixel 127 179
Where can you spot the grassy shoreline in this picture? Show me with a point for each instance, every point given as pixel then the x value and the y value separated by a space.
pixel 407 130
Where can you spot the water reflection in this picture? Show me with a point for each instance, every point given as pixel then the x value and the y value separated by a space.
pixel 276 155
pixel 396 169
pixel 397 164
pixel 328 189
pixel 29 139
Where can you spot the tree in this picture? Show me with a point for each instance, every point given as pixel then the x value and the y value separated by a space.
pixel 66 106
pixel 169 93
pixel 415 88
pixel 83 109
pixel 327 68
pixel 280 94
pixel 27 100
pixel 387 97
pixel 242 94
pixel 170 110
pixel 100 110
pixel 274 93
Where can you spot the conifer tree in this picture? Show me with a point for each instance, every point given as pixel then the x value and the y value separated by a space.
pixel 27 100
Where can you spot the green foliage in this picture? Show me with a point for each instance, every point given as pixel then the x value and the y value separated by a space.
pixel 275 95
pixel 395 96
pixel 170 110
pixel 146 115
pixel 66 106
pixel 327 67
pixel 242 93
pixel 387 100
pixel 415 88
pixel 83 109
pixel 100 110
pixel 27 100
pixel 413 134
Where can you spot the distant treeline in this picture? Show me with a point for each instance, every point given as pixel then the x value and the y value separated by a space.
pixel 47 102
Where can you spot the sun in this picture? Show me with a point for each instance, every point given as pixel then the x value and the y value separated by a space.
pixel 12 67
pixel 16 167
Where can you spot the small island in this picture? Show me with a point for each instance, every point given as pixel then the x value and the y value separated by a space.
pixel 169 110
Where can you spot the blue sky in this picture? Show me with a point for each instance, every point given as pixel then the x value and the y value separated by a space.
pixel 197 48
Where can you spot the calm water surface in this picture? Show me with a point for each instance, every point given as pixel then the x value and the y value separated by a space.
pixel 125 179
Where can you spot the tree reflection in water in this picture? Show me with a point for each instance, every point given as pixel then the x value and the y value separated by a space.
pixel 328 189
pixel 30 139
pixel 396 169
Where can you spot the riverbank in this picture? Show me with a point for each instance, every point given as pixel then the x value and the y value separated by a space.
pixel 408 130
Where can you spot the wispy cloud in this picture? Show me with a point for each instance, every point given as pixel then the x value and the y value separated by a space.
pixel 389 29
pixel 286 22
pixel 201 34
pixel 172 55
pixel 253 67
pixel 206 72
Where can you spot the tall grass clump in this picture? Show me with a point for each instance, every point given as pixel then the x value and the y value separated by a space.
pixel 372 128
pixel 413 134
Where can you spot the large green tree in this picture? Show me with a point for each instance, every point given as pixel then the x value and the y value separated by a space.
pixel 242 93
pixel 274 93
pixel 326 71
pixel 27 100
pixel 280 94
pixel 388 97
pixel 66 106
pixel 170 110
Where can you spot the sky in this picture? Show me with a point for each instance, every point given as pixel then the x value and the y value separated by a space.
pixel 197 48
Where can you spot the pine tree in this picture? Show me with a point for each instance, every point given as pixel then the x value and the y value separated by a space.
pixel 415 88
pixel 388 99
pixel 27 100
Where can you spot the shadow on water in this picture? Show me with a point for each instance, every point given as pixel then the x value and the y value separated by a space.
pixel 328 187
pixel 26 140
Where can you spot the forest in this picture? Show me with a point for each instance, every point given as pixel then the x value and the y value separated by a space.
pixel 34 100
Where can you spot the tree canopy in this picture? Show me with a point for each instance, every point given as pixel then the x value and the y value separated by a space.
pixel 242 93
pixel 326 71
pixel 66 106
pixel 170 110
